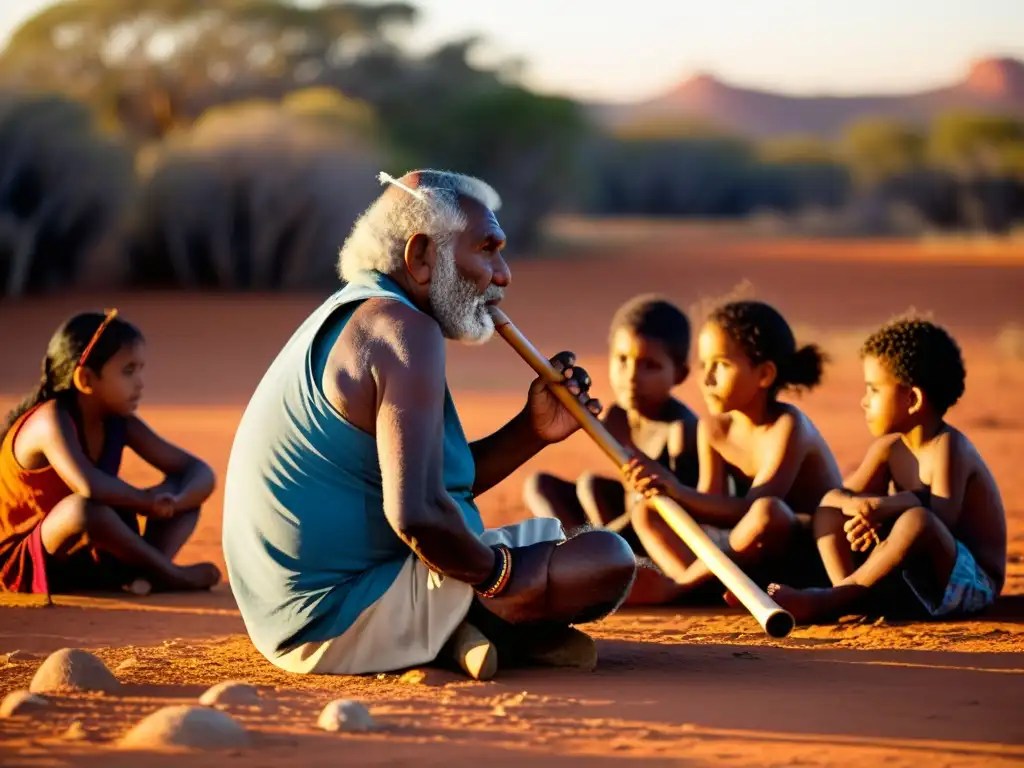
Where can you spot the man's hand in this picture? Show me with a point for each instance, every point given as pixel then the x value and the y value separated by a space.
pixel 549 419
pixel 644 476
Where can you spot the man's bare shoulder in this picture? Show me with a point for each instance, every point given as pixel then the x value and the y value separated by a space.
pixel 388 334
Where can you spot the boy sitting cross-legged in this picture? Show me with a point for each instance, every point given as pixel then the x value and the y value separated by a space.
pixel 923 501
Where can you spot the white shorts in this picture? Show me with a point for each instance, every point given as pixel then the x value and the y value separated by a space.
pixel 411 622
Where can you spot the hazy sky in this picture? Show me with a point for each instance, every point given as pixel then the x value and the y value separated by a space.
pixel 641 47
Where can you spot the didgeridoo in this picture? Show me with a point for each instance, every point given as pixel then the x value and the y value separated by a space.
pixel 773 619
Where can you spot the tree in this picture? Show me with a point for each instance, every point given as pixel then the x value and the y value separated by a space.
pixel 986 154
pixel 63 186
pixel 876 150
pixel 258 195
pixel 162 62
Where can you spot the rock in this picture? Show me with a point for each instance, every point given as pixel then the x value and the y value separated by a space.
pixel 187 727
pixel 21 656
pixel 345 715
pixel 21 703
pixel 127 665
pixel 76 732
pixel 139 587
pixel 71 669
pixel 431 677
pixel 231 693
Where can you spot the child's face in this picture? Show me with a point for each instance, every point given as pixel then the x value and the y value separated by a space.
pixel 119 385
pixel 886 402
pixel 729 381
pixel 642 372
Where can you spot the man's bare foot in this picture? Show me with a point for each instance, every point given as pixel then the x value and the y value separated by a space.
pixel 814 605
pixel 474 654
pixel 557 646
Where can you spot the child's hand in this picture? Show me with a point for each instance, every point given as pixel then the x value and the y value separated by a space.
pixel 860 506
pixel 164 505
pixel 644 476
pixel 861 533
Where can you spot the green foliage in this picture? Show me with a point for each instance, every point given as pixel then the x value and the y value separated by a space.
pixel 877 149
pixel 62 187
pixel 258 195
pixel 522 143
pixel 977 143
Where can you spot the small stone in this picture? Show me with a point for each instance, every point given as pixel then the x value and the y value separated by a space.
pixel 139 587
pixel 22 703
pixel 345 715
pixel 431 677
pixel 21 656
pixel 231 693
pixel 76 732
pixel 414 677
pixel 127 665
pixel 187 727
pixel 71 669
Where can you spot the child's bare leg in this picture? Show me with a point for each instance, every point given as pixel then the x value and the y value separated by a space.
pixel 833 547
pixel 549 496
pixel 76 517
pixel 764 531
pixel 662 544
pixel 918 541
pixel 603 499
pixel 761 533
pixel 652 587
pixel 169 536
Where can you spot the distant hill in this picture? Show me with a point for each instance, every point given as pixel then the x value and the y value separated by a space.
pixel 991 85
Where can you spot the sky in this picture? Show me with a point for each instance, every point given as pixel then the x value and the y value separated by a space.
pixel 643 48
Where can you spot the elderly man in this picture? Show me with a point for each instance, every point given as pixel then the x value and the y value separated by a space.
pixel 351 534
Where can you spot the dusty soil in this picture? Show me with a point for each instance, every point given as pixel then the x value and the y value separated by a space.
pixel 697 686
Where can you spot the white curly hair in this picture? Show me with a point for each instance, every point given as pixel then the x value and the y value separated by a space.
pixel 378 237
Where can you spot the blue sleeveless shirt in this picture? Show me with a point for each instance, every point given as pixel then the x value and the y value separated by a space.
pixel 306 542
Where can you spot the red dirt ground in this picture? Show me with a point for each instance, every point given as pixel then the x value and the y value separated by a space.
pixel 693 686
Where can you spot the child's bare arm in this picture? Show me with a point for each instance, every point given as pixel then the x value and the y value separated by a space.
pixel 949 480
pixel 775 479
pixel 197 478
pixel 871 478
pixel 58 441
pixel 712 465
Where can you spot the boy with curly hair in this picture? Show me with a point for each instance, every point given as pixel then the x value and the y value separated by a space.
pixel 923 505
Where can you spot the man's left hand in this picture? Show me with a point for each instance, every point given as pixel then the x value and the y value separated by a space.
pixel 549 419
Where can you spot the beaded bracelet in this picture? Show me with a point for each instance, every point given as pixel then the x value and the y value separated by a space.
pixel 499 582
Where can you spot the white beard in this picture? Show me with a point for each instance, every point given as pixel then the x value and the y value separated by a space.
pixel 459 308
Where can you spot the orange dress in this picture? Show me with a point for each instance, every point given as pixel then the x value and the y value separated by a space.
pixel 26 497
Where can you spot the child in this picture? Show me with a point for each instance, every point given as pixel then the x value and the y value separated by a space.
pixel 66 521
pixel 942 525
pixel 749 356
pixel 649 346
